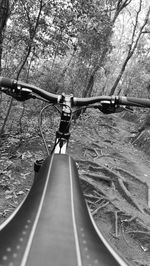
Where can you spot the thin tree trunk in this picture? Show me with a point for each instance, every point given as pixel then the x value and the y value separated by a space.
pixel 89 88
pixel 6 117
pixel 132 48
pixel 23 105
pixel 90 84
pixel 119 7
pixel 23 63
pixel 21 116
pixel 4 12
pixel 1 50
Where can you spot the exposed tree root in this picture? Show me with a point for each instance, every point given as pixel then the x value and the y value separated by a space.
pixel 100 207
pixel 94 167
pixel 116 223
pixel 91 196
pixel 129 220
pixel 94 151
pixel 93 185
pixel 117 179
pixel 99 177
pixel 128 196
pixel 90 150
pixel 99 192
pixel 97 155
pixel 124 237
pixel 139 233
pixel 88 163
pixel 137 137
pixel 140 223
pixel 129 174
pixel 98 146
pixel 110 127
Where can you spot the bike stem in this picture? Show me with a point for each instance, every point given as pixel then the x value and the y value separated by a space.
pixel 63 133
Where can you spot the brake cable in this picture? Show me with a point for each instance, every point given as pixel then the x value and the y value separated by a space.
pixel 40 127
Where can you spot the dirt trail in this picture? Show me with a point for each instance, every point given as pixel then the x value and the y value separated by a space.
pixel 115 178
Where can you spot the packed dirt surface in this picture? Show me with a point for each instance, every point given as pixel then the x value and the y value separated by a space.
pixel 115 177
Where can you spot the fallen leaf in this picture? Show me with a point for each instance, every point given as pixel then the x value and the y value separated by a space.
pixel 8 197
pixel 26 155
pixel 24 175
pixel 20 192
pixel 144 248
pixel 8 192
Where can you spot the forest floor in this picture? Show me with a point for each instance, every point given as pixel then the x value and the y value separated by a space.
pixel 114 173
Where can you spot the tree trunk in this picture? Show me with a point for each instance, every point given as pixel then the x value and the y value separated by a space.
pixel 87 92
pixel 29 47
pixel 120 5
pixel 4 11
pixel 6 117
pixel 119 76
pixel 132 46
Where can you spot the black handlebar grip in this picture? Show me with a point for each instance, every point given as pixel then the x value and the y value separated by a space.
pixel 8 83
pixel 133 101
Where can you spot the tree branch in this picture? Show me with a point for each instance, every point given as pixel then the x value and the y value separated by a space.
pixel 135 26
pixel 120 6
pixel 32 35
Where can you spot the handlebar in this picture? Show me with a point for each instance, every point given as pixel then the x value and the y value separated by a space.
pixel 14 85
pixel 21 87
pixel 120 100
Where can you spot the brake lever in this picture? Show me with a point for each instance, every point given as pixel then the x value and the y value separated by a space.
pixel 20 94
pixel 107 107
